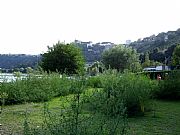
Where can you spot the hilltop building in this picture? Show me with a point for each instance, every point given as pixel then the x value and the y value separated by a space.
pixel 92 52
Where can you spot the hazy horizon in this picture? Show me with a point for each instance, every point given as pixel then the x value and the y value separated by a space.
pixel 28 27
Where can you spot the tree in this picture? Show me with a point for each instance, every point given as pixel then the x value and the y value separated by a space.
pixel 146 62
pixel 63 58
pixel 120 58
pixel 176 56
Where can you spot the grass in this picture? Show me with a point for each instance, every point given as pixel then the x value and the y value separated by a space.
pixel 78 106
pixel 12 117
pixel 166 120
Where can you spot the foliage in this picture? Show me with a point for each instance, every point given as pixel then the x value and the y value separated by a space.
pixel 160 47
pixel 95 81
pixel 72 120
pixel 18 61
pixel 91 53
pixel 132 91
pixel 158 43
pixel 121 58
pixel 146 62
pixel 176 56
pixel 64 58
pixel 95 68
pixel 166 122
pixel 3 97
pixel 169 88
pixel 159 56
pixel 36 88
pixel 94 111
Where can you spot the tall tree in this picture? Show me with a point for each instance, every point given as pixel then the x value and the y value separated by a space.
pixel 146 62
pixel 176 56
pixel 120 58
pixel 64 58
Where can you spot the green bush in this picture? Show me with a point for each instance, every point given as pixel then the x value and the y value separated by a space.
pixel 73 120
pixel 130 90
pixel 170 87
pixel 94 82
pixel 36 88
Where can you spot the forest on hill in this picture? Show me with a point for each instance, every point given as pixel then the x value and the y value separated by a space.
pixel 159 47
pixel 14 61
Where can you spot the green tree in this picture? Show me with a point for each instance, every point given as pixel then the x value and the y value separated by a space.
pixel 147 62
pixel 120 58
pixel 63 58
pixel 176 56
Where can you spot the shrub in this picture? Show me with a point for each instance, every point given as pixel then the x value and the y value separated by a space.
pixel 72 120
pixel 36 88
pixel 131 90
pixel 170 87
pixel 94 82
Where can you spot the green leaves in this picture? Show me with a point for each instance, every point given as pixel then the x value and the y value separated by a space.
pixel 131 90
pixel 64 58
pixel 176 56
pixel 121 58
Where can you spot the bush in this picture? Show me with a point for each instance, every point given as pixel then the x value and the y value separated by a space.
pixel 94 82
pixel 36 88
pixel 130 90
pixel 73 120
pixel 170 87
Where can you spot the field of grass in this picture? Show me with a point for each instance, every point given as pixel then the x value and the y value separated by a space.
pixel 109 104
pixel 164 121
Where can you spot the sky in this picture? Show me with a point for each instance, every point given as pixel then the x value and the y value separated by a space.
pixel 29 26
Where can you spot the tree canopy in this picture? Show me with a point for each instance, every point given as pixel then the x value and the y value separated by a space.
pixel 176 56
pixel 63 58
pixel 120 58
pixel 146 62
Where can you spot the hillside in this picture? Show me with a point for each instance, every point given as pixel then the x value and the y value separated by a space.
pixel 12 61
pixel 162 41
pixel 159 47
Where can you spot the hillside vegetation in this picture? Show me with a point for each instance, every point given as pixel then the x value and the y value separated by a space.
pixel 159 47
pixel 12 61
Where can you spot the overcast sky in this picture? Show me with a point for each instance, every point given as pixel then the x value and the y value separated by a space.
pixel 29 26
